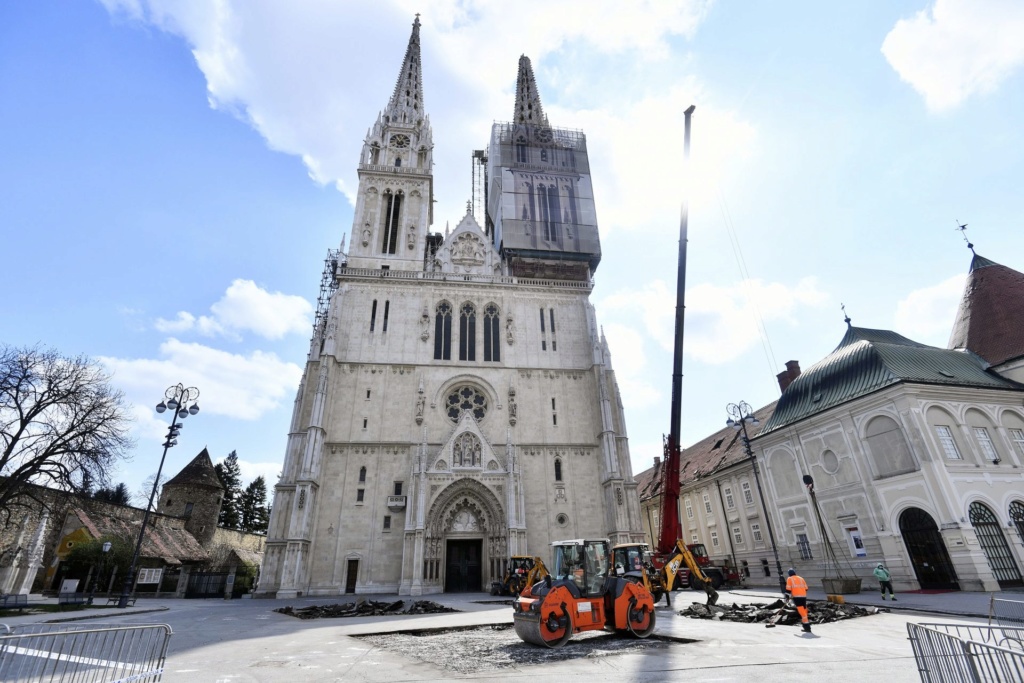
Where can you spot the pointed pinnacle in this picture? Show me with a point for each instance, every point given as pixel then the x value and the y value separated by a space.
pixel 528 106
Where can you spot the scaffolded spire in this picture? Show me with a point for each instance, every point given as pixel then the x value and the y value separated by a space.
pixel 528 106
pixel 406 105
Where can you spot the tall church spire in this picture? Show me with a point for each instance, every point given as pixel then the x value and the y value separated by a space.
pixel 528 106
pixel 406 104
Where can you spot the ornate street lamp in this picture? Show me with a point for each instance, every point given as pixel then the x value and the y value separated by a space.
pixel 178 399
pixel 740 415
pixel 103 565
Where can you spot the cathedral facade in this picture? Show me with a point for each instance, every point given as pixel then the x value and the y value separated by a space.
pixel 458 404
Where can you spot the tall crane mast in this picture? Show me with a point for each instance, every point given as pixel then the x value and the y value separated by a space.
pixel 671 529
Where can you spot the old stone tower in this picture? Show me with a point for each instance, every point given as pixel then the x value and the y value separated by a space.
pixel 194 493
pixel 458 404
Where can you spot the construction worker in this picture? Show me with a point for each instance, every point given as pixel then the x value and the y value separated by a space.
pixel 884 580
pixel 796 590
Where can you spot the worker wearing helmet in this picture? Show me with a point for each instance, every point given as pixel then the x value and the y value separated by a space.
pixel 796 590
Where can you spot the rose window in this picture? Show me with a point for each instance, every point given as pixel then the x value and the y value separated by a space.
pixel 466 398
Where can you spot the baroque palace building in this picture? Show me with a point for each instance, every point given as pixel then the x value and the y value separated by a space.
pixel 458 404
pixel 916 455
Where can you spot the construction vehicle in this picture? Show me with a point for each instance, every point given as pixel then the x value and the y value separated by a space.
pixel 634 562
pixel 523 571
pixel 700 555
pixel 671 550
pixel 582 594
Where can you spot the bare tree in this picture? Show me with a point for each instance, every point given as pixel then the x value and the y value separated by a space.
pixel 61 424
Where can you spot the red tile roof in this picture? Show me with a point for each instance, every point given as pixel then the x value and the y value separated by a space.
pixel 172 544
pixel 988 321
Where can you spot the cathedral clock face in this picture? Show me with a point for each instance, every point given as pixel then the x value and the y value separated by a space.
pixel 399 141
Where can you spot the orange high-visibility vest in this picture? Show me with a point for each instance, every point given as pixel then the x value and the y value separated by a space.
pixel 796 586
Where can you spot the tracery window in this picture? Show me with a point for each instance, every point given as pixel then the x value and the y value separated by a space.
pixel 465 398
pixel 392 220
pixel 443 332
pixel 467 332
pixel 492 349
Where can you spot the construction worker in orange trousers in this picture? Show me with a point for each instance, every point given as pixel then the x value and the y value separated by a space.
pixel 796 589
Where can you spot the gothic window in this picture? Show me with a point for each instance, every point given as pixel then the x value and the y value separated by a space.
pixel 421 158
pixel 551 311
pixel 398 161
pixel 542 321
pixel 465 398
pixel 492 349
pixel 359 495
pixel 572 205
pixel 466 451
pixel 392 220
pixel 467 332
pixel 558 469
pixel 373 314
pixel 543 155
pixel 384 327
pixel 375 154
pixel 552 214
pixel 443 332
pixel 362 475
pixel 521 153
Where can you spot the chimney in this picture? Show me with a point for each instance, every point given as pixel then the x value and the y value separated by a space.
pixel 791 373
pixel 657 461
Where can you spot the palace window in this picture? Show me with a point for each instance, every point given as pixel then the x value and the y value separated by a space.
pixel 755 531
pixel 492 347
pixel 729 501
pixel 748 496
pixel 988 449
pixel 467 332
pixel 689 509
pixel 443 332
pixel 714 539
pixel 737 535
pixel 804 546
pixel 948 442
pixel 1018 440
pixel 392 214
pixel 707 504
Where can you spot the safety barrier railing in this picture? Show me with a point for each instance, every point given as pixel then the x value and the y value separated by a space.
pixel 961 653
pixel 1006 612
pixel 95 653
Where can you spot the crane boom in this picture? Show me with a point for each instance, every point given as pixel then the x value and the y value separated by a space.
pixel 671 529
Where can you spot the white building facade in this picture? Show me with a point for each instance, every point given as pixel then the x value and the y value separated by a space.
pixel 459 404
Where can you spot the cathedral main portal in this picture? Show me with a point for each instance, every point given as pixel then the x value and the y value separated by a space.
pixel 463 566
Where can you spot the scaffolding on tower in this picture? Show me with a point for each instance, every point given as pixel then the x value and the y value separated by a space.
pixel 328 283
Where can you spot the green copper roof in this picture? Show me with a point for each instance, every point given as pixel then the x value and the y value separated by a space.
pixel 868 360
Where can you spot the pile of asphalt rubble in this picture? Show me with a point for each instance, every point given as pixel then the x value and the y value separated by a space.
pixel 778 612
pixel 365 608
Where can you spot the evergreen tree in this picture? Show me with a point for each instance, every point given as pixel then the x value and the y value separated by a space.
pixel 255 513
pixel 231 477
pixel 118 495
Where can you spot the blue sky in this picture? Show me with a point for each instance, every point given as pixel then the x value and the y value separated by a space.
pixel 172 174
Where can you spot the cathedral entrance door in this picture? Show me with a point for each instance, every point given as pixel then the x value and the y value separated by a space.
pixel 463 566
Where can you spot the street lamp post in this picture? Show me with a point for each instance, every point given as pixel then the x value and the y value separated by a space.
pixel 178 399
pixel 103 565
pixel 740 415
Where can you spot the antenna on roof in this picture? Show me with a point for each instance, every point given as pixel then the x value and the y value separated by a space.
pixel 846 318
pixel 963 233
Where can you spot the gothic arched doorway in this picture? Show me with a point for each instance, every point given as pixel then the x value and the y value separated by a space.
pixel 466 539
pixel 992 541
pixel 927 551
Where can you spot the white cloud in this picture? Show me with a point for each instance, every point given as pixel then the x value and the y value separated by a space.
pixel 630 364
pixel 721 321
pixel 232 385
pixel 246 306
pixel 957 48
pixel 298 73
pixel 926 315
pixel 268 470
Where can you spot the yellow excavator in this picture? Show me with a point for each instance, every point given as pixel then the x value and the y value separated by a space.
pixel 523 571
pixel 635 562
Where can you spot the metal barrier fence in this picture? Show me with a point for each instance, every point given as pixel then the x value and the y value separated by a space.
pixel 94 653
pixel 960 653
pixel 1006 612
